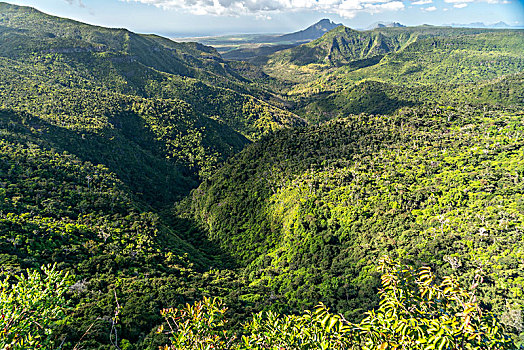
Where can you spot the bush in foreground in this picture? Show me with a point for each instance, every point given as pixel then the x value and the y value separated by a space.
pixel 31 307
pixel 416 312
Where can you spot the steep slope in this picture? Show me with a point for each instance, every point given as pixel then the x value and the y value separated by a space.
pixel 26 31
pixel 340 46
pixel 309 211
pixel 336 47
pixel 375 97
pixel 358 54
pixel 56 208
pixel 459 59
pixel 163 146
pixel 481 68
pixel 78 55
pixel 101 130
pixel 88 161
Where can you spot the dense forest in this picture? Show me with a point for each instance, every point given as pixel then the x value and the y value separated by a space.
pixel 364 190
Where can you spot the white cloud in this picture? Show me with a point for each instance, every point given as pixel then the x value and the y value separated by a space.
pixel 429 9
pixel 462 2
pixel 388 6
pixel 344 8
pixel 422 2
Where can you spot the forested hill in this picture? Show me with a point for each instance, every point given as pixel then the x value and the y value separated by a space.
pixel 56 207
pixel 308 212
pixel 70 54
pixel 380 71
pixel 46 62
pixel 342 45
pixel 101 131
pixel 27 31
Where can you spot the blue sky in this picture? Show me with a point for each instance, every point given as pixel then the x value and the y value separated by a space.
pixel 176 18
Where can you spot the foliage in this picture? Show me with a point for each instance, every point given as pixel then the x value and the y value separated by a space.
pixel 32 307
pixel 197 326
pixel 406 56
pixel 415 312
pixel 375 97
pixel 54 207
pixel 308 212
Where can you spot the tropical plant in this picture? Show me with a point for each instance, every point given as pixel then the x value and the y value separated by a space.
pixel 416 312
pixel 199 326
pixel 32 307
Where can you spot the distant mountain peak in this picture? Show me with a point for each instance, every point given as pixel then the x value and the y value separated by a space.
pixel 325 22
pixel 324 25
pixel 312 32
pixel 385 25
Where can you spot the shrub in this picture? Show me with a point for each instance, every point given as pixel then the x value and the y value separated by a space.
pixel 31 307
pixel 415 312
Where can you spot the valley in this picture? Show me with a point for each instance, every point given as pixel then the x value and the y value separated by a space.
pixel 270 172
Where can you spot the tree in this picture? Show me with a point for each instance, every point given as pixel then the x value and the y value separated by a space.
pixel 198 326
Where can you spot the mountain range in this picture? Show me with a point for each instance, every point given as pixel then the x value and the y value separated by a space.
pixel 499 24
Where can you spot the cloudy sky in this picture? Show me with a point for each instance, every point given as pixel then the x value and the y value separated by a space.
pixel 177 18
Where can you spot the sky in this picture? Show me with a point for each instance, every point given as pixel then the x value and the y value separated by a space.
pixel 182 18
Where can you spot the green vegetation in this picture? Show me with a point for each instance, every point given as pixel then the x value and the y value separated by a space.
pixel 462 59
pixel 59 53
pixel 31 308
pixel 55 207
pixel 375 97
pixel 415 313
pixel 380 71
pixel 352 49
pixel 155 174
pixel 308 211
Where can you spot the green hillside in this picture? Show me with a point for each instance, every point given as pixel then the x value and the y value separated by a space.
pixel 102 130
pixel 170 143
pixel 404 56
pixel 414 66
pixel 205 116
pixel 375 97
pixel 28 32
pixel 57 208
pixel 308 212
pixel 461 59
pixel 343 45
pixel 71 54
